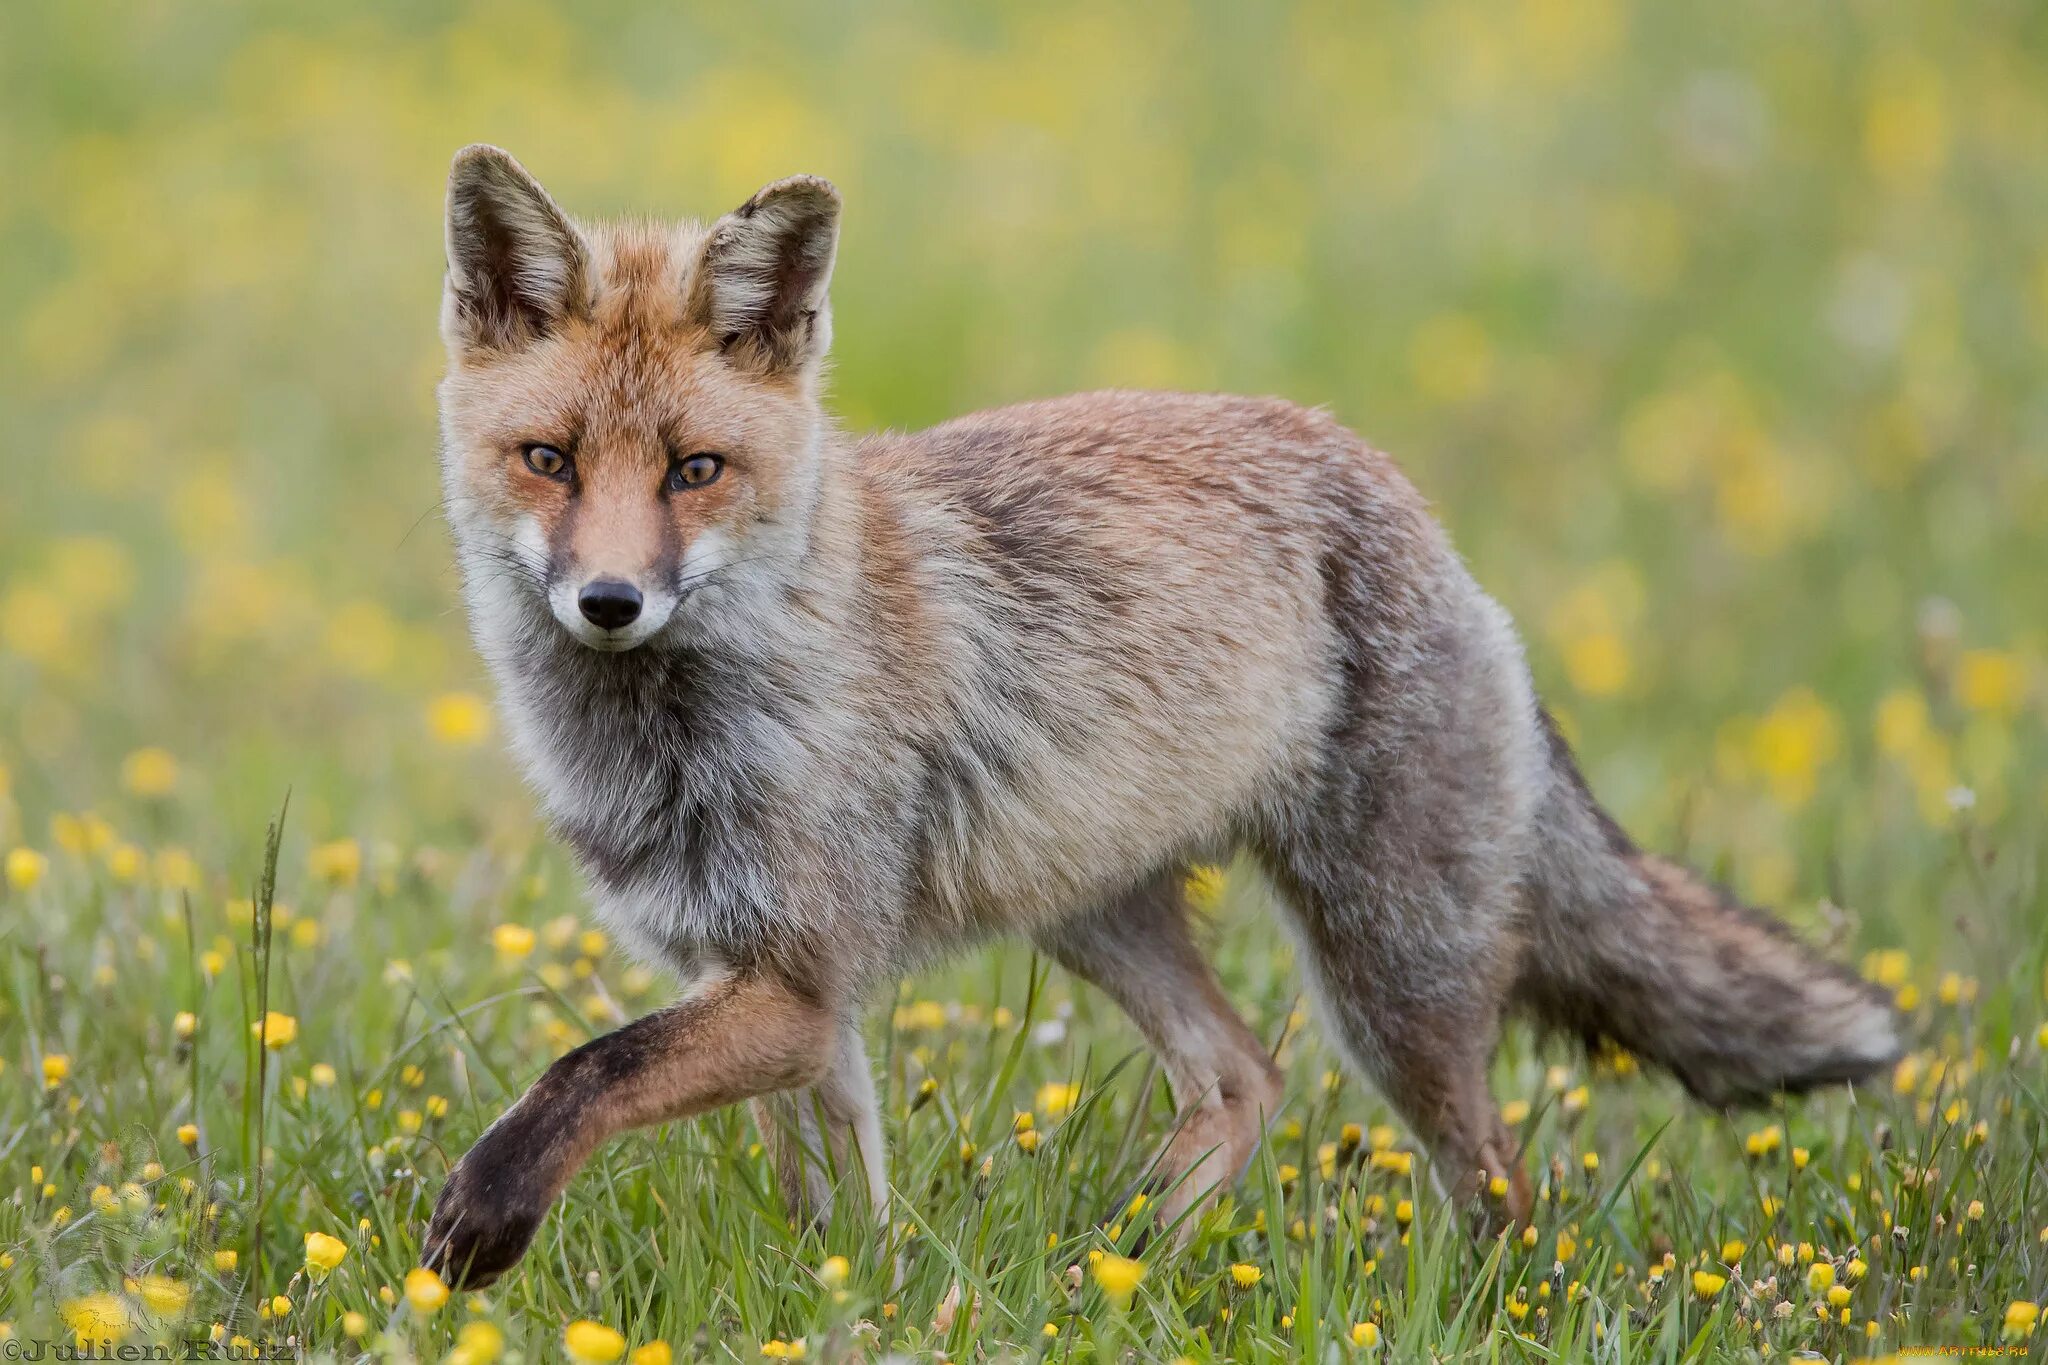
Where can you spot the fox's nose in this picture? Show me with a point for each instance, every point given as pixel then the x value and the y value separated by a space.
pixel 609 604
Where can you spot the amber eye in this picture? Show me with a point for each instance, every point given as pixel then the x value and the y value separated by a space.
pixel 694 471
pixel 548 462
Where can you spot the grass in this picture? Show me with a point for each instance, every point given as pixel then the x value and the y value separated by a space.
pixel 1713 333
pixel 1662 1230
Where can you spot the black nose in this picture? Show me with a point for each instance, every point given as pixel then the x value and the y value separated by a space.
pixel 609 604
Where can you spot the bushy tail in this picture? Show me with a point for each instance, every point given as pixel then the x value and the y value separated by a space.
pixel 1630 947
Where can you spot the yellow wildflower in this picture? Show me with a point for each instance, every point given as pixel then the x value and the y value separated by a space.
pixel 25 868
pixel 339 862
pixel 653 1353
pixel 592 1343
pixel 1056 1098
pixel 425 1291
pixel 96 1319
pixel 478 1343
pixel 275 1030
pixel 1707 1284
pixel 161 1295
pixel 458 719
pixel 2021 1315
pixel 1205 883
pixel 150 772
pixel 1119 1277
pixel 512 941
pixel 1244 1276
pixel 56 1066
pixel 323 1253
pixel 1365 1334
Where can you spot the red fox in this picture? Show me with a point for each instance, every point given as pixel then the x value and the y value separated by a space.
pixel 815 709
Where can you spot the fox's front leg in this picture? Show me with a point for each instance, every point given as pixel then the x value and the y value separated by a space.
pixel 741 1035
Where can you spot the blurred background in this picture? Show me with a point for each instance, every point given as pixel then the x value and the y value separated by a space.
pixel 1715 334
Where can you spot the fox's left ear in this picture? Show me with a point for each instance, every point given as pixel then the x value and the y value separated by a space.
pixel 760 287
pixel 517 267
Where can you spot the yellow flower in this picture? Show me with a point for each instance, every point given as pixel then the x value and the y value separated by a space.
pixel 1990 680
pixel 424 1291
pixel 150 772
pixel 1731 1251
pixel 1204 887
pixel 478 1343
pixel 162 1295
pixel 275 1030
pixel 339 862
pixel 2020 1318
pixel 1245 1276
pixel 512 941
pixel 653 1353
pixel 833 1272
pixel 1365 1334
pixel 96 1319
pixel 1056 1098
pixel 323 1253
pixel 354 1324
pixel 458 719
pixel 592 1343
pixel 1820 1277
pixel 1119 1277
pixel 1707 1284
pixel 56 1067
pixel 188 1135
pixel 1514 1112
pixel 1400 1163
pixel 25 868
pixel 224 1261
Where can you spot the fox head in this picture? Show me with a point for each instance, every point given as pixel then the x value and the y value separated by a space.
pixel 630 413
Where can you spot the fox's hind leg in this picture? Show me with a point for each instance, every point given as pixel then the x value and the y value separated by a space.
pixel 1139 952
pixel 1410 959
pixel 825 1130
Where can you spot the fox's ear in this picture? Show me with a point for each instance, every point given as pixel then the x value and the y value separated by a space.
pixel 516 265
pixel 760 287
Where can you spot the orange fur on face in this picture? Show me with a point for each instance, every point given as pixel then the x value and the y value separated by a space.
pixel 625 388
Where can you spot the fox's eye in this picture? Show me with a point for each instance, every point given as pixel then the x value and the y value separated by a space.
pixel 694 471
pixel 547 461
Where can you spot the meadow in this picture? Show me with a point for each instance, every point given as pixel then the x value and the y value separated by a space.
pixel 1716 335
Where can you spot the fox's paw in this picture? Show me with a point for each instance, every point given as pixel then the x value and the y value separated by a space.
pixel 485 1217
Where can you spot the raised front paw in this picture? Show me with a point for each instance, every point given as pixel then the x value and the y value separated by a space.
pixel 486 1215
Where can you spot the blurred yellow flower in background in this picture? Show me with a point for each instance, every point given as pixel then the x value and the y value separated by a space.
pixel 339 862
pixel 150 772
pixel 425 1291
pixel 97 1320
pixel 458 718
pixel 26 868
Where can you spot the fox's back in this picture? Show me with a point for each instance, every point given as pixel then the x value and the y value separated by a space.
pixel 1131 604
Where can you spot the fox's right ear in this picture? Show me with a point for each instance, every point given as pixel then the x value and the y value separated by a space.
pixel 516 265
